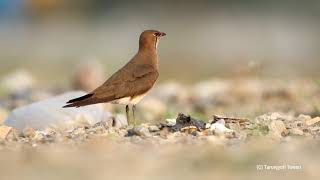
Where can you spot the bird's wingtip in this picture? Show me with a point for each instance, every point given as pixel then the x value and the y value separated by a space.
pixel 70 105
pixel 66 106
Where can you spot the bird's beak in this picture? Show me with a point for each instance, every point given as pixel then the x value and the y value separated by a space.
pixel 162 34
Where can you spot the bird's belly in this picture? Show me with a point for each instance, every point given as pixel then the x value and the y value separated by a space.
pixel 129 100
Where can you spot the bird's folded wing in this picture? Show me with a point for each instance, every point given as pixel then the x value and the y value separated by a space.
pixel 130 81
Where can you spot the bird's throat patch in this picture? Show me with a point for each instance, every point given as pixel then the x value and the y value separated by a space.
pixel 156 43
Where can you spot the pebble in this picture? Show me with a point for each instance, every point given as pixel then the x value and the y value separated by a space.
pixel 39 137
pixel 28 132
pixel 297 124
pixel 164 132
pixel 235 127
pixel 220 131
pixel 220 128
pixel 153 128
pixel 296 131
pixel 277 129
pixel 313 121
pixel 189 130
pixel 43 137
pixel 142 130
pixel 315 128
pixel 208 125
pixel 13 135
pixel 78 131
pixel 4 131
pixel 185 121
pixel 171 122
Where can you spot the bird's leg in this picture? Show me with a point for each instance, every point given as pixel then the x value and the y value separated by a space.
pixel 127 113
pixel 134 118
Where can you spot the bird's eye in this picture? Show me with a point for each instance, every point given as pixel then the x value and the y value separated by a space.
pixel 156 34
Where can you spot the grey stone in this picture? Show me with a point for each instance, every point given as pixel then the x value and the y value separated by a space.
pixel 141 130
pixel 153 128
pixel 277 129
pixel 144 131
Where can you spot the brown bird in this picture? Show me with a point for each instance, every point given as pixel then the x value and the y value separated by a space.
pixel 130 83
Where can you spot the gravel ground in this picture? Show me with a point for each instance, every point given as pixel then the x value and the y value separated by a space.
pixel 278 139
pixel 177 148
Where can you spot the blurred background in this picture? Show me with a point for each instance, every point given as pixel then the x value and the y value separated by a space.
pixel 235 58
pixel 49 38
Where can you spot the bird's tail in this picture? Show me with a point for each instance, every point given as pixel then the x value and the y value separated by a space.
pixel 80 101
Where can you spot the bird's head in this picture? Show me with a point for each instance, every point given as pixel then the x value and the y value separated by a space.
pixel 149 39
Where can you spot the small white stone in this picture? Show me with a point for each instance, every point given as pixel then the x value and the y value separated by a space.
pixel 221 121
pixel 49 112
pixel 220 128
pixel 171 122
pixel 296 131
pixel 208 125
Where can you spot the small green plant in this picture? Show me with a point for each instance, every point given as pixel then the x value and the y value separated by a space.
pixel 260 130
pixel 112 136
pixel 3 91
pixel 199 115
pixel 317 82
pixel 315 103
pixel 170 113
